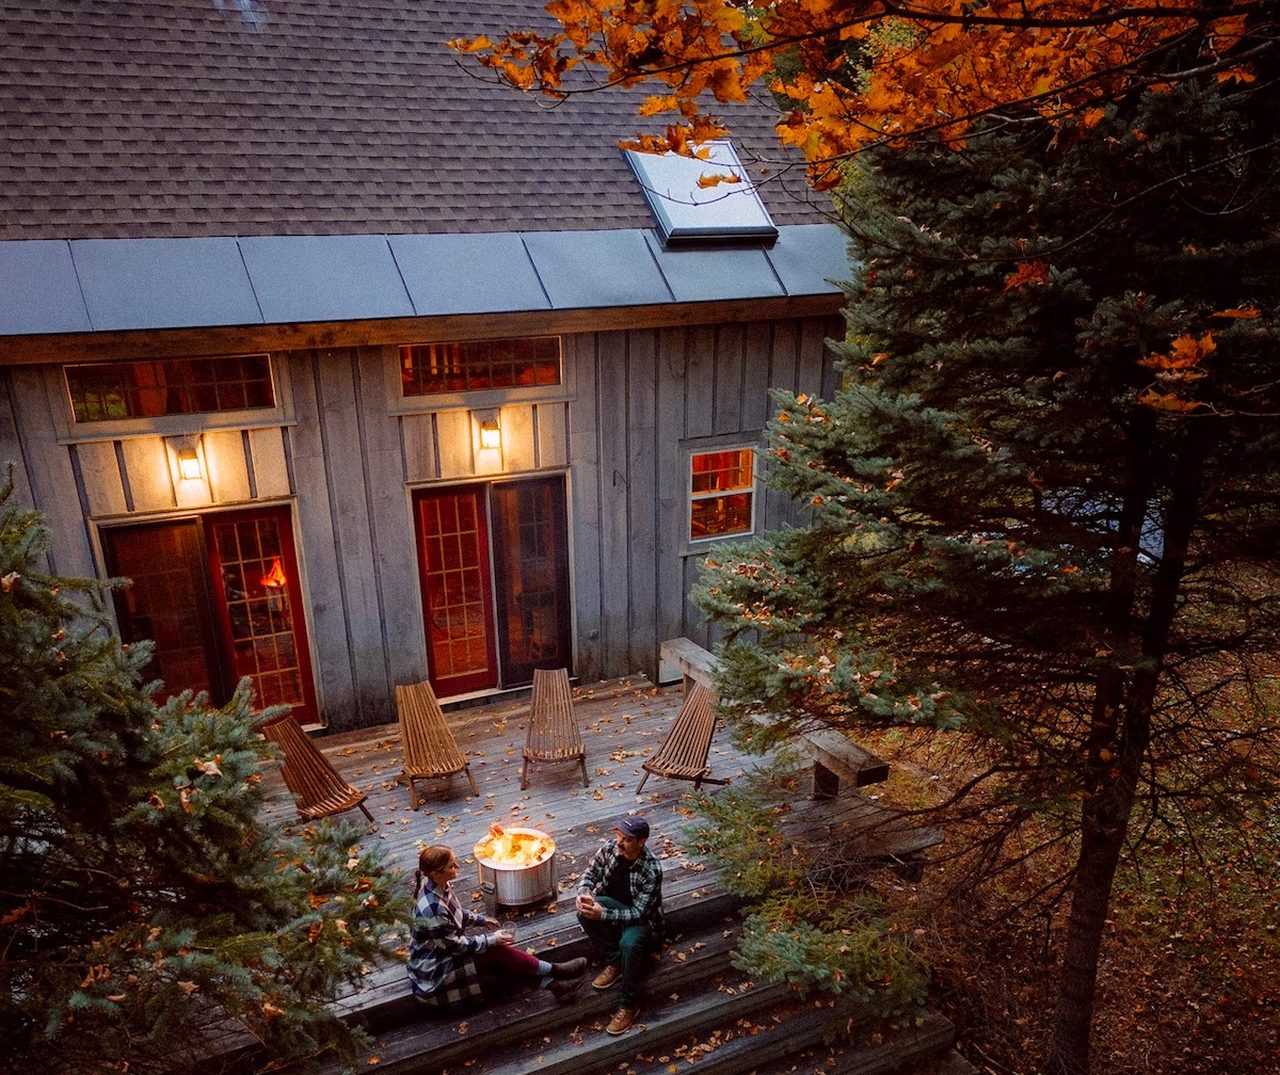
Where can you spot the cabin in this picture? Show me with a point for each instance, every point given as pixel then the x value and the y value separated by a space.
pixel 367 370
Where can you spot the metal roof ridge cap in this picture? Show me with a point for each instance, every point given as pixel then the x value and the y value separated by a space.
pixel 645 234
pixel 400 275
pixel 249 276
pixel 84 301
pixel 773 268
pixel 532 264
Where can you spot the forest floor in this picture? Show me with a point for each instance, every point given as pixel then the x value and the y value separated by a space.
pixel 1188 981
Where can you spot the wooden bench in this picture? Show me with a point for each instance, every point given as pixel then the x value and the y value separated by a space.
pixel 690 660
pixel 837 759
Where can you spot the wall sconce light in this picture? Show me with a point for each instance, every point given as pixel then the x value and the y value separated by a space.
pixel 189 464
pixel 490 429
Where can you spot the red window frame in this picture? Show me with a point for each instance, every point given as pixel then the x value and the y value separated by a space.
pixel 155 388
pixel 431 369
pixel 722 487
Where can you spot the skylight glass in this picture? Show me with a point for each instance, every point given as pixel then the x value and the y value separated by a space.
pixel 687 213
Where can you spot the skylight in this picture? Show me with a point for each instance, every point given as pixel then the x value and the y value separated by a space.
pixel 687 213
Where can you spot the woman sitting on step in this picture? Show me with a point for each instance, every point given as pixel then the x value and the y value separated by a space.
pixel 451 969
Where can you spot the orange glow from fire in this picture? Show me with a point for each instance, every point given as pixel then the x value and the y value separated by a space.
pixel 517 848
pixel 275 578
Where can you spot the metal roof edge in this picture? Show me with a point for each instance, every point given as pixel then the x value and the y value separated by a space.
pixel 804 260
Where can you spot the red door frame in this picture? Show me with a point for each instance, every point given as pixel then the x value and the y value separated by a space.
pixel 308 712
pixel 449 685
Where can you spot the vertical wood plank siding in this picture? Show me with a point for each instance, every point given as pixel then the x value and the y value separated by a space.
pixel 637 403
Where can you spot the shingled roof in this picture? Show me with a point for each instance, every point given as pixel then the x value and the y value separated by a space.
pixel 123 119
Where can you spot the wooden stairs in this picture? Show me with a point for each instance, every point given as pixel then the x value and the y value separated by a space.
pixel 699 1014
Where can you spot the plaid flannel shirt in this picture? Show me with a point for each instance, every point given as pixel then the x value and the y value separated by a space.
pixel 442 969
pixel 646 888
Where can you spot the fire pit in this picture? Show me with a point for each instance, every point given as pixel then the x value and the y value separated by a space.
pixel 517 867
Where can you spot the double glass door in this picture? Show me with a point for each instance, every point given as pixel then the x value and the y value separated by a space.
pixel 219 596
pixel 493 560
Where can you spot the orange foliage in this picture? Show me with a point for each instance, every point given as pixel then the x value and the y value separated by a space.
pixel 864 72
pixel 1027 272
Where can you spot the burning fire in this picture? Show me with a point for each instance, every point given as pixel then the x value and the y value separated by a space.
pixel 519 847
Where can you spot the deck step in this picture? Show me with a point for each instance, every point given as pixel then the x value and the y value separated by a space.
pixel 662 1025
pixel 385 1003
pixel 916 1050
pixel 434 1042
pixel 697 1009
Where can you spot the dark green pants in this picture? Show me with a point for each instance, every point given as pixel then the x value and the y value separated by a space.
pixel 625 946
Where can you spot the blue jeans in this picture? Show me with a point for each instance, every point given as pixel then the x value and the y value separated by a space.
pixel 625 946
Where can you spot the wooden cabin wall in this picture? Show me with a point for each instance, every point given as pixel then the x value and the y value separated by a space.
pixel 644 399
pixel 346 456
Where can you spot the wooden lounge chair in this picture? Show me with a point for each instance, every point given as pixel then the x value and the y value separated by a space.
pixel 553 732
pixel 429 748
pixel 310 777
pixel 683 754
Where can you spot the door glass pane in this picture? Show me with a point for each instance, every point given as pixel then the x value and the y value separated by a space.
pixel 532 567
pixel 453 557
pixel 258 589
pixel 167 603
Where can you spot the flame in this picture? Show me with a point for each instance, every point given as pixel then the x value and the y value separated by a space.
pixel 520 847
pixel 275 577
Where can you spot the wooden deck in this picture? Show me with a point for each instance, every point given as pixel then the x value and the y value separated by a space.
pixel 622 722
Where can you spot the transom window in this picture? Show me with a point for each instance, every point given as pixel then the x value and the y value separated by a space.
pixel 152 388
pixel 429 369
pixel 721 492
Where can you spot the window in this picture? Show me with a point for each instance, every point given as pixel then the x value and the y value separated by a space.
pixel 429 369
pixel 687 213
pixel 722 493
pixel 108 391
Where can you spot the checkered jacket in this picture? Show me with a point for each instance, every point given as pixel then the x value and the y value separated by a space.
pixel 646 888
pixel 442 969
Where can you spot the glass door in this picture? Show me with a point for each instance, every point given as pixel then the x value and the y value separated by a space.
pixel 531 569
pixel 253 565
pixel 169 602
pixel 494 568
pixel 218 595
pixel 457 595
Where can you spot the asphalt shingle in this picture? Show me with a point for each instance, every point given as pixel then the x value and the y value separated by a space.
pixel 309 117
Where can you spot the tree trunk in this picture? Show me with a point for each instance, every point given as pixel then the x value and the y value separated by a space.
pixel 1104 817
pixel 1104 825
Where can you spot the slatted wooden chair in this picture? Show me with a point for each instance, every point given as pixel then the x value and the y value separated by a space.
pixel 430 750
pixel 312 780
pixel 683 754
pixel 553 731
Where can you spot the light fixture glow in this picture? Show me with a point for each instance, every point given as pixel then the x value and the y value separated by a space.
pixel 189 465
pixel 490 433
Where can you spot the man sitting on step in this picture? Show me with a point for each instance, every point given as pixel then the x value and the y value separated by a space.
pixel 620 909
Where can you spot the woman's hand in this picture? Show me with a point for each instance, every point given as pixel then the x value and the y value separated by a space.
pixel 491 922
pixel 504 937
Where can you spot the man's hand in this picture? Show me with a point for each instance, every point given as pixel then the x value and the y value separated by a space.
pixel 587 907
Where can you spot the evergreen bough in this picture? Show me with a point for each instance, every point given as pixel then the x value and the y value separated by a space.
pixel 145 910
pixel 1044 508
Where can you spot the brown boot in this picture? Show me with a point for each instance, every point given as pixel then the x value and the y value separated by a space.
pixel 622 1020
pixel 570 968
pixel 563 988
pixel 608 976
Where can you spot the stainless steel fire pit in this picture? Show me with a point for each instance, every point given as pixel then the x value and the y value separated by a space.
pixel 512 883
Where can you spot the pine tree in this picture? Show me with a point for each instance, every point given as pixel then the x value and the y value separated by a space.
pixel 143 905
pixel 1046 502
